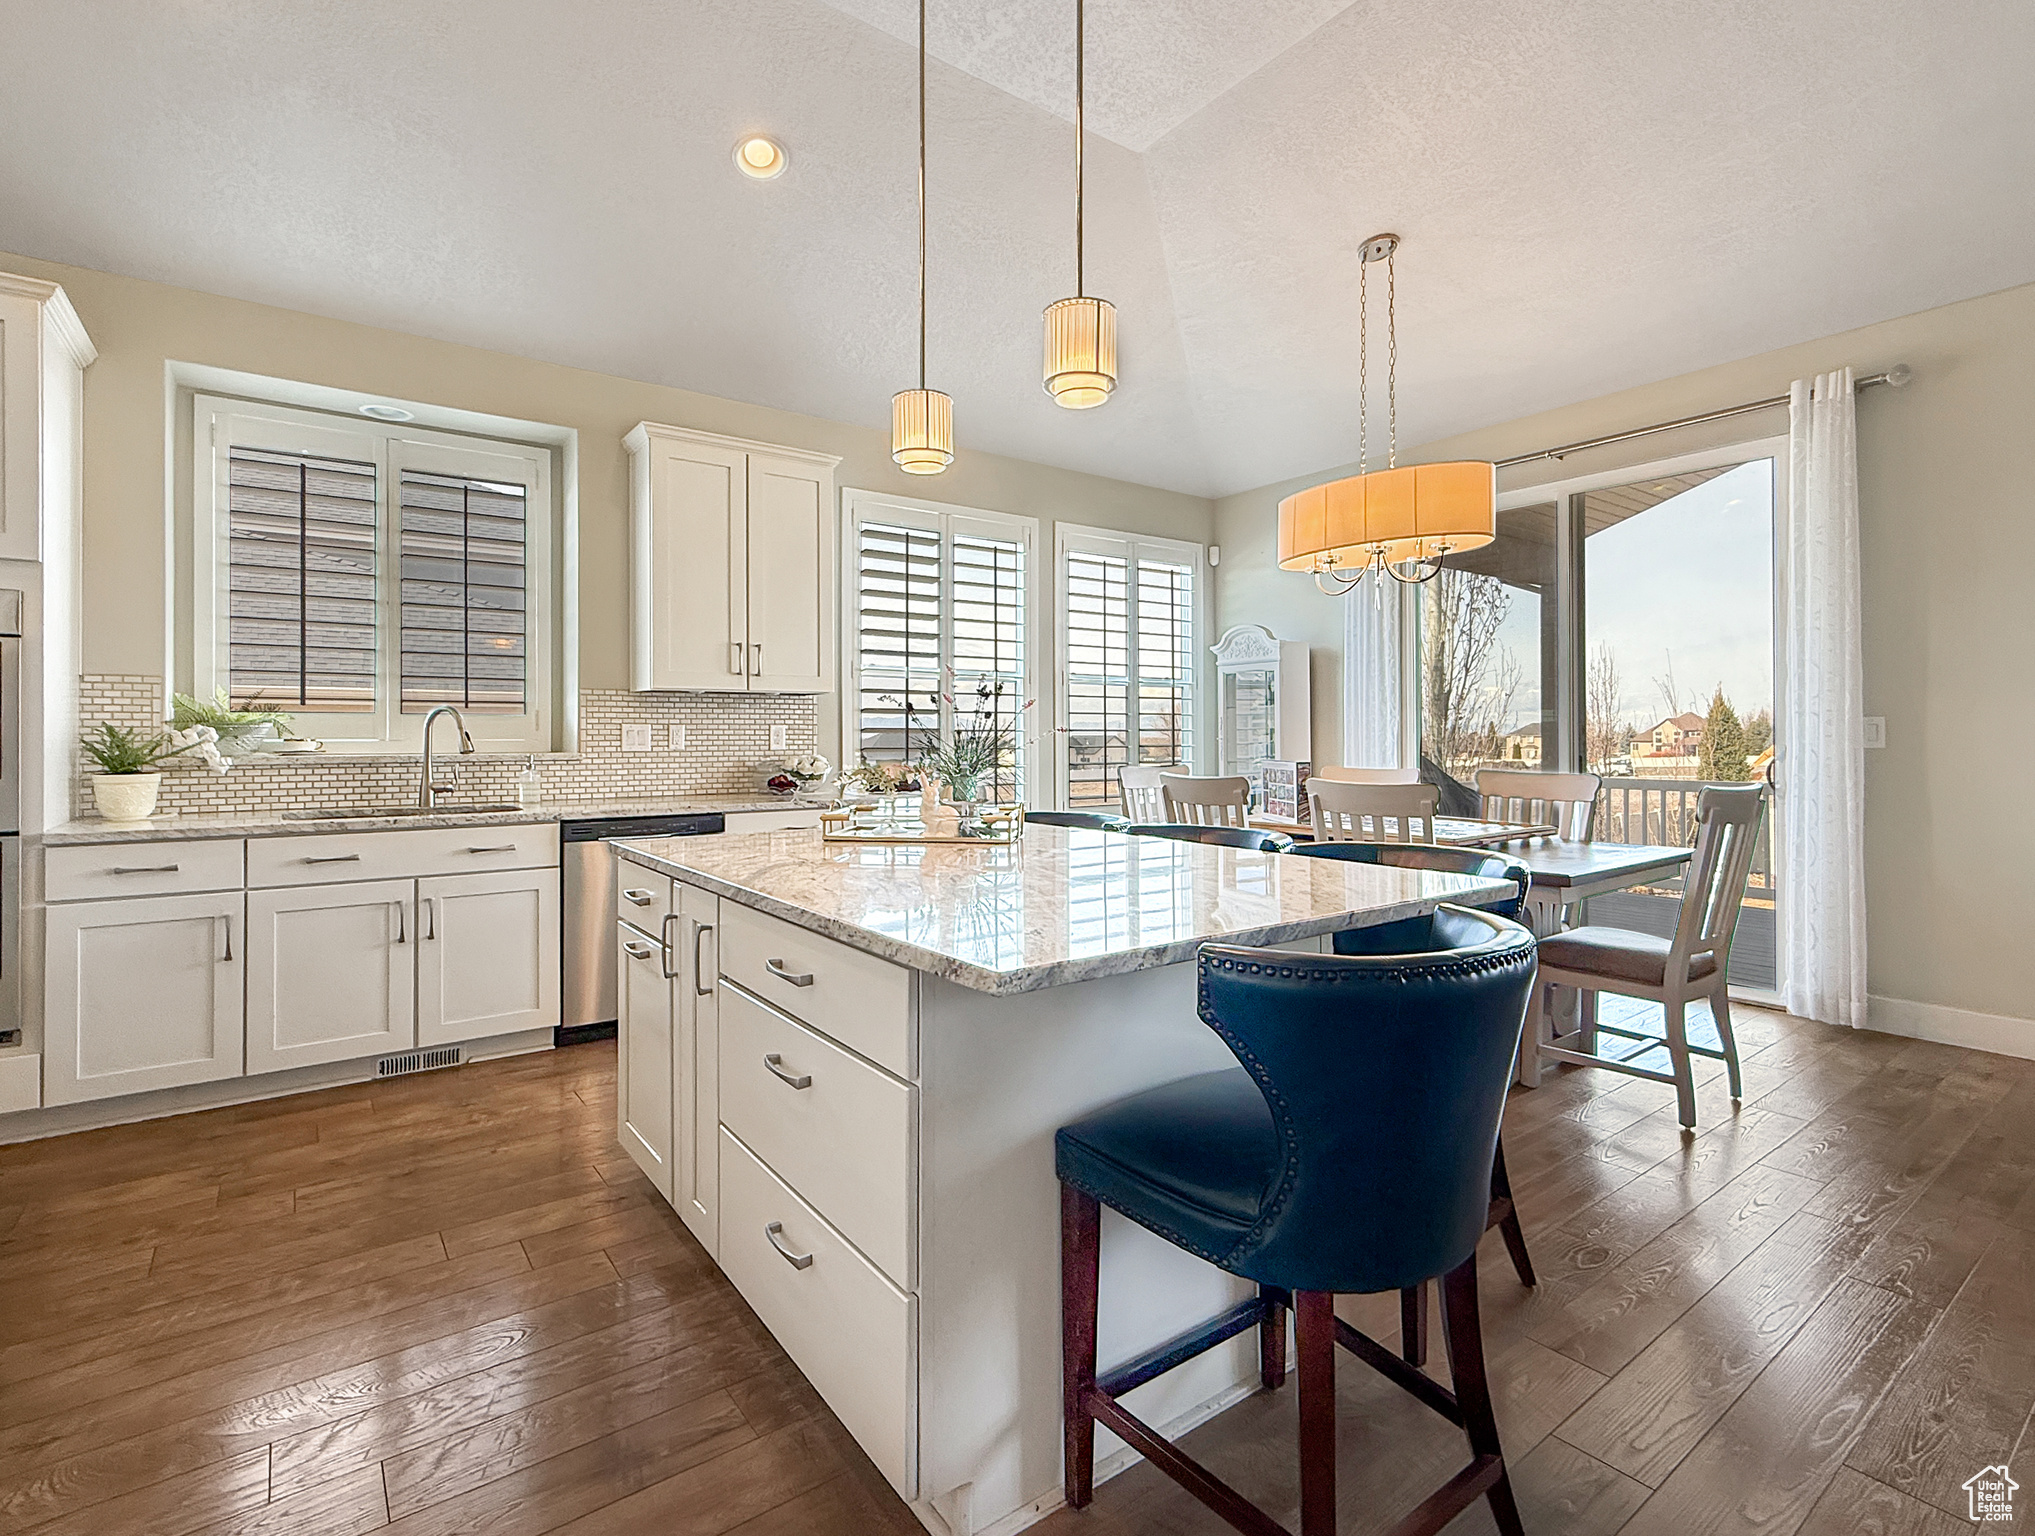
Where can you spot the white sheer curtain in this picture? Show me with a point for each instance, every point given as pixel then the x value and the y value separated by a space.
pixel 1822 758
pixel 1371 630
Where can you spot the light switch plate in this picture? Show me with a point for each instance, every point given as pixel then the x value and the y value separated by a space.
pixel 678 737
pixel 779 741
pixel 635 738
pixel 1875 730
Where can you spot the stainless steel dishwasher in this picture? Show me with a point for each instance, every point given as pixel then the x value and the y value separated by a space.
pixel 588 910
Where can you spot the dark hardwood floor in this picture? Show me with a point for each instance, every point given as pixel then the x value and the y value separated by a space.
pixel 448 1304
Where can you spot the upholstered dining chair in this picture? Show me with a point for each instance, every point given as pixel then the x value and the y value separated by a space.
pixel 1565 801
pixel 1351 1151
pixel 1142 796
pixel 1093 821
pixel 1250 838
pixel 1372 813
pixel 1693 965
pixel 1414 934
pixel 1206 802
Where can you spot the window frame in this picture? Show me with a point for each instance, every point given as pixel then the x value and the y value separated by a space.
pixel 945 520
pixel 219 423
pixel 1069 538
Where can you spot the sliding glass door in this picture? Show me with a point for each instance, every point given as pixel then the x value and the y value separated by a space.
pixel 1625 624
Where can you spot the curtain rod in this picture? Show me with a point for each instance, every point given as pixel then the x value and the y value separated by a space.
pixel 1895 376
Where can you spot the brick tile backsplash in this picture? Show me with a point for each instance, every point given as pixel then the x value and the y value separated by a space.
pixel 727 751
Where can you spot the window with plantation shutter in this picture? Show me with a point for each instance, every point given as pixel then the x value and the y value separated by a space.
pixel 1127 659
pixel 300 580
pixel 940 605
pixel 356 574
pixel 463 593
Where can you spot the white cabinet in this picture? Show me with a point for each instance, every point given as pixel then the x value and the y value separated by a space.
pixel 142 993
pixel 330 973
pixel 487 954
pixel 732 579
pixel 696 1064
pixel 644 1123
pixel 43 353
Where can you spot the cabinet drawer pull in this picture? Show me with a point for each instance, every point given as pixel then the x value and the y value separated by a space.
pixel 402 922
pixel 670 947
pixel 638 898
pixel 146 869
pixel 796 978
pixel 638 950
pixel 774 1063
pixel 495 848
pixel 698 930
pixel 227 919
pixel 332 858
pixel 430 917
pixel 735 657
pixel 756 658
pixel 774 1231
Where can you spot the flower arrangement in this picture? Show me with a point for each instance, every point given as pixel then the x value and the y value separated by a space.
pixel 800 773
pixel 981 744
pixel 882 778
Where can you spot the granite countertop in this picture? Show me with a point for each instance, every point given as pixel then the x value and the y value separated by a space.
pixel 273 824
pixel 1062 905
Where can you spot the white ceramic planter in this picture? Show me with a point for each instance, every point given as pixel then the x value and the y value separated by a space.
pixel 126 796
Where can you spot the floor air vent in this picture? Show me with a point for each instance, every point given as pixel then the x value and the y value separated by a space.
pixel 419 1061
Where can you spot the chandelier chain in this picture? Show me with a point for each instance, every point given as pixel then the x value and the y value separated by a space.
pixel 1080 136
pixel 922 194
pixel 1363 362
pixel 1392 357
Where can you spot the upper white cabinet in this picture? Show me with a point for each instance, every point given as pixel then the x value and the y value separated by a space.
pixel 43 354
pixel 732 580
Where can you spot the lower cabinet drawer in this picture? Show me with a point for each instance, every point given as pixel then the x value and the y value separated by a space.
pixel 98 870
pixel 853 997
pixel 844 1325
pixel 839 1130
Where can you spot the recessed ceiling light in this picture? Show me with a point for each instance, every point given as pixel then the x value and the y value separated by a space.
pixel 388 413
pixel 760 157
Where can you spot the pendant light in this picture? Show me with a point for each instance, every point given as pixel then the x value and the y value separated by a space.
pixel 922 419
pixel 1081 331
pixel 1402 522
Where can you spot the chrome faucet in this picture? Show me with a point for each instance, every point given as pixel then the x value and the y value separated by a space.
pixel 427 792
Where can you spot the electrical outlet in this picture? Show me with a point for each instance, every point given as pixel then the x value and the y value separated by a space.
pixel 678 738
pixel 779 740
pixel 1875 730
pixel 635 738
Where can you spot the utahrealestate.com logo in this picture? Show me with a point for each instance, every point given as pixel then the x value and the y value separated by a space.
pixel 1992 1494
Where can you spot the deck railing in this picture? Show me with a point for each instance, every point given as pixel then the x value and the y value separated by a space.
pixel 1663 812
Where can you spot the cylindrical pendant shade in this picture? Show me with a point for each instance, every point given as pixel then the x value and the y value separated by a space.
pixel 921 431
pixel 1416 513
pixel 1080 352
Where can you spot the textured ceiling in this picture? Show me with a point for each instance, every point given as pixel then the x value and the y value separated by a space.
pixel 1593 194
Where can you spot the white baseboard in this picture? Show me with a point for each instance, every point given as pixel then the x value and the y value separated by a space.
pixel 1995 1032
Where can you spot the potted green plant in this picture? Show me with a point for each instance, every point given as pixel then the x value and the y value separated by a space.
pixel 241 731
pixel 128 781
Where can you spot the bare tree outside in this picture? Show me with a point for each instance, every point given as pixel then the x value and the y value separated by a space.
pixel 1607 733
pixel 1469 682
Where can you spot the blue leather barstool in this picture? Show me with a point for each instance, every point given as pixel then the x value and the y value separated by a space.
pixel 1223 837
pixel 1413 935
pixel 1093 821
pixel 1350 1153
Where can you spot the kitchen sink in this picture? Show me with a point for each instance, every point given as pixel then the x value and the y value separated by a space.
pixel 356 812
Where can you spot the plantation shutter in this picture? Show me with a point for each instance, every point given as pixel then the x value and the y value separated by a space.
pixel 464 605
pixel 897 627
pixel 1128 662
pixel 300 580
pixel 986 621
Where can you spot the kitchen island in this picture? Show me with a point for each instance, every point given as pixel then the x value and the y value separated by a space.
pixel 844 1065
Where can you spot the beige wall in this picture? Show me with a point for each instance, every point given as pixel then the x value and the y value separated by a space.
pixel 140 326
pixel 1947 506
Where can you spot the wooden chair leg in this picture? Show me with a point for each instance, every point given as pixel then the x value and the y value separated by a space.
pixel 1080 1279
pixel 1272 1343
pixel 1720 1010
pixel 1314 1327
pixel 1462 1332
pixel 1530 1064
pixel 1508 1224
pixel 1677 1012
pixel 1586 1020
pixel 1413 1324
